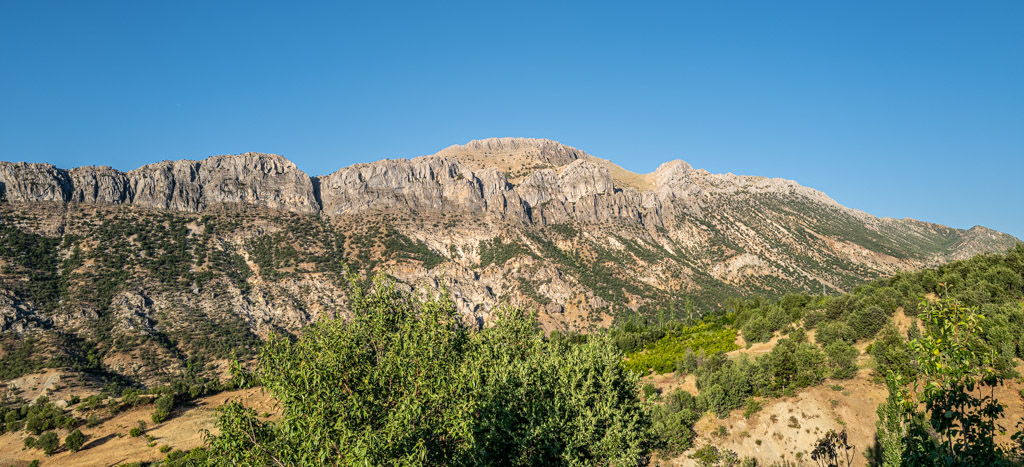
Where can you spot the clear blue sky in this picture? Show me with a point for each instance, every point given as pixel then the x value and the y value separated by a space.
pixel 902 109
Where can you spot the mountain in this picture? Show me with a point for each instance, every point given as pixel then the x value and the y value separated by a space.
pixel 131 273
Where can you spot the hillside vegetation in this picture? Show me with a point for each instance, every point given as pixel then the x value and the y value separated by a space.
pixel 165 286
pixel 404 380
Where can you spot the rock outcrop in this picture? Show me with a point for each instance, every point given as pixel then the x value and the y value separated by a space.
pixel 553 183
pixel 27 183
pixel 264 180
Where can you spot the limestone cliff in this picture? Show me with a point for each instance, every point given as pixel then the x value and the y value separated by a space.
pixel 183 257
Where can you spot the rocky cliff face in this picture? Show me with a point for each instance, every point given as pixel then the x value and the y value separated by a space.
pixel 263 180
pixel 553 183
pixel 162 262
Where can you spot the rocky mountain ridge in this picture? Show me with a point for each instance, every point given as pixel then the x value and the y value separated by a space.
pixel 259 179
pixel 462 177
pixel 135 272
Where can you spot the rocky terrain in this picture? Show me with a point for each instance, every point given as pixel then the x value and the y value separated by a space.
pixel 130 274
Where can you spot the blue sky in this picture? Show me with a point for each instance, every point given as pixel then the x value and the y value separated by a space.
pixel 901 109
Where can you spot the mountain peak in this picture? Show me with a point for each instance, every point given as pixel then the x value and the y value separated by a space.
pixel 517 157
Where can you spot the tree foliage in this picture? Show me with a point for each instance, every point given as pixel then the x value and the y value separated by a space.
pixel 48 442
pixel 74 440
pixel 405 382
pixel 949 416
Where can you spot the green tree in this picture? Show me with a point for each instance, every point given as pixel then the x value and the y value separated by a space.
pixel 405 382
pixel 163 405
pixel 543 403
pixel 757 329
pixel 48 442
pixel 892 353
pixel 74 440
pixel 793 364
pixel 959 419
pixel 841 359
pixel 674 420
pixel 893 422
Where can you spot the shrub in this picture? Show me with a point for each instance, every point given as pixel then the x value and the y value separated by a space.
pixel 791 365
pixel 689 362
pixel 892 354
pixel 753 406
pixel 812 318
pixel 163 405
pixel 135 432
pixel 834 331
pixel 757 329
pixel 74 440
pixel 867 321
pixel 724 384
pixel 43 415
pixel 841 360
pixel 707 455
pixel 673 422
pixel 48 442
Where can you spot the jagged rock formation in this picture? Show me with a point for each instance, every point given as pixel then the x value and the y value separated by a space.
pixel 265 180
pixel 553 184
pixel 185 257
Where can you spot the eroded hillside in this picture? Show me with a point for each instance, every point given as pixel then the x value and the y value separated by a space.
pixel 132 273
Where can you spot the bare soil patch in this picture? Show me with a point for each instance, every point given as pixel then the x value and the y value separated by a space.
pixel 110 444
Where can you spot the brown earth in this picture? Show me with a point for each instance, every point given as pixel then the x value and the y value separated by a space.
pixel 110 444
pixel 787 428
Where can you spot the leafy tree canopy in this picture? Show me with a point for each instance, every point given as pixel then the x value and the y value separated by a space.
pixel 404 381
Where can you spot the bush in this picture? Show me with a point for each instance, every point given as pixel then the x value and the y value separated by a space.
pixel 48 442
pixel 130 397
pixel 841 360
pixel 753 406
pixel 792 365
pixel 867 321
pixel 135 432
pixel 834 331
pixel 74 440
pixel 892 354
pixel 674 420
pixel 164 404
pixel 757 329
pixel 43 415
pixel 724 387
pixel 707 455
pixel 812 318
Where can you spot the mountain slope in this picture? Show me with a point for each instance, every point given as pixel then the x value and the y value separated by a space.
pixel 131 273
